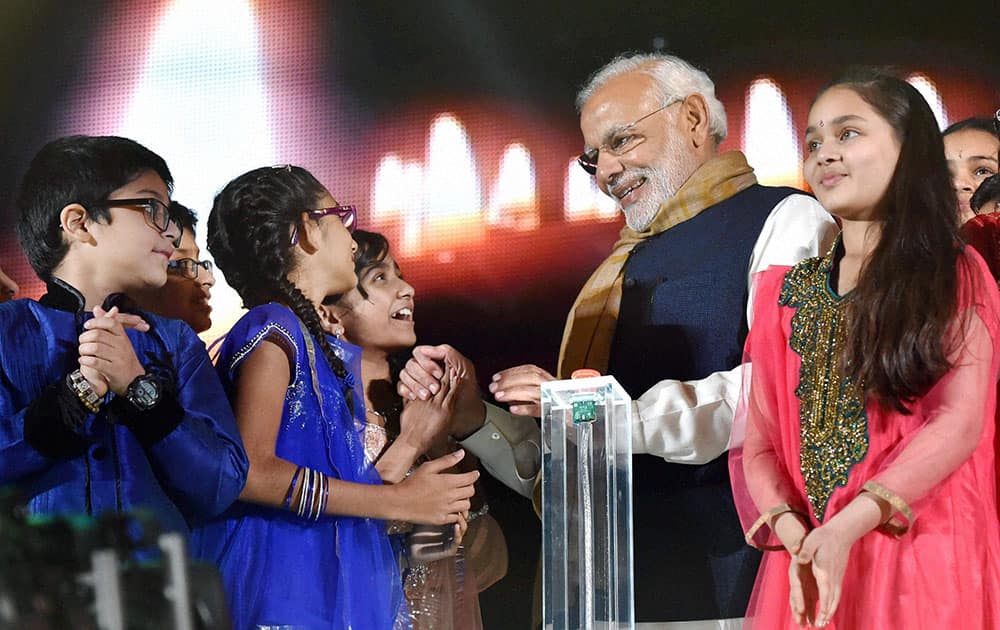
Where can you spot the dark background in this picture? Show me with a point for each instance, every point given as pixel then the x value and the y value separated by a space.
pixel 511 71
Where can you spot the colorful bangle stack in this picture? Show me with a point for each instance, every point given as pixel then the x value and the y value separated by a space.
pixel 313 496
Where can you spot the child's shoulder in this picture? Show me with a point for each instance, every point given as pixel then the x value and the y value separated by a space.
pixel 10 307
pixel 257 324
pixel 19 314
pixel 270 315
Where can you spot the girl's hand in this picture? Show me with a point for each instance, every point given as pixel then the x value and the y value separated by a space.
pixel 826 550
pixel 461 527
pixel 424 421
pixel 791 530
pixel 802 592
pixel 433 497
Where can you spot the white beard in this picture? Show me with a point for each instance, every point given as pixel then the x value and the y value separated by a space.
pixel 663 180
pixel 640 214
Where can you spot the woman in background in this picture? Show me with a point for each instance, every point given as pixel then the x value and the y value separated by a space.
pixel 982 232
pixel 970 147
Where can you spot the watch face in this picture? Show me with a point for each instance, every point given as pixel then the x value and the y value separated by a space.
pixel 144 392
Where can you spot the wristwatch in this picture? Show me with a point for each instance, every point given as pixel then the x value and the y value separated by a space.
pixel 144 392
pixel 84 391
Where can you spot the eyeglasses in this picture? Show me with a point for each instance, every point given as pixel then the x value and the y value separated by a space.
pixel 188 267
pixel 620 143
pixel 157 213
pixel 348 215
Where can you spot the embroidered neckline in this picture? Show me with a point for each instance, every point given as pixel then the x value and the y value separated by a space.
pixel 833 423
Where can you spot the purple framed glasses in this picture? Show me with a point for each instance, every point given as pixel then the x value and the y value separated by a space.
pixel 348 215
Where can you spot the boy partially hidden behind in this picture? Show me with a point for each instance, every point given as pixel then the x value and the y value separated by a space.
pixel 188 290
pixel 101 411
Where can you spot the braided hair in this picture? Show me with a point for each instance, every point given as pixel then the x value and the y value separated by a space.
pixel 249 235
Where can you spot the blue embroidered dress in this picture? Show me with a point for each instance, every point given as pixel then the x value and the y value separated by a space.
pixel 281 570
pixel 183 460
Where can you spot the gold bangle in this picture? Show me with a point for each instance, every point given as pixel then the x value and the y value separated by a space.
pixel 892 524
pixel 766 518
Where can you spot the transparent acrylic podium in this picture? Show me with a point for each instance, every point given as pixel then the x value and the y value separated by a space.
pixel 586 505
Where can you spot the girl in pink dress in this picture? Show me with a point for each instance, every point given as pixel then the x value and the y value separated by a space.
pixel 866 463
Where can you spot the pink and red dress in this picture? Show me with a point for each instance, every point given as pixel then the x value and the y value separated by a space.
pixel 811 440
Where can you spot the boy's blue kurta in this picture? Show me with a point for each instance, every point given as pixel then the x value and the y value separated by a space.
pixel 183 460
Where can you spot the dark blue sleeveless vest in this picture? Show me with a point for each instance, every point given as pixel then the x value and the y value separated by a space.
pixel 683 316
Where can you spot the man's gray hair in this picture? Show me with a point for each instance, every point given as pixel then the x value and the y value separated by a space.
pixel 674 77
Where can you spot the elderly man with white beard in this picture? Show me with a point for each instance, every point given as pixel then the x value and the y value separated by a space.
pixel 667 314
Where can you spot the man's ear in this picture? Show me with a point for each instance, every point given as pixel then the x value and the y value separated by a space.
pixel 695 120
pixel 75 224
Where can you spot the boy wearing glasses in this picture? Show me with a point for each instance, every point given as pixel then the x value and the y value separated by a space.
pixel 103 411
pixel 188 289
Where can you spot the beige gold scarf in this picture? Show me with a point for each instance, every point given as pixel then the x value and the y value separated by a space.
pixel 590 326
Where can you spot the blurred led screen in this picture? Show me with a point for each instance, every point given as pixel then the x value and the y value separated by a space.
pixel 489 216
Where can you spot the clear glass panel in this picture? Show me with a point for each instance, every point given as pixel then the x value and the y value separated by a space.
pixel 587 504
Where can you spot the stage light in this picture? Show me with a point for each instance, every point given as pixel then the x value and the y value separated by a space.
pixel 438 203
pixel 929 91
pixel 397 203
pixel 769 138
pixel 583 200
pixel 201 103
pixel 389 195
pixel 452 201
pixel 413 181
pixel 513 201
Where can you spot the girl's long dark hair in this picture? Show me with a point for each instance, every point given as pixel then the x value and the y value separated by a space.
pixel 249 235
pixel 372 250
pixel 900 313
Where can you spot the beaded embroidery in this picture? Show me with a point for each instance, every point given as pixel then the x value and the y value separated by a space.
pixel 251 345
pixel 833 421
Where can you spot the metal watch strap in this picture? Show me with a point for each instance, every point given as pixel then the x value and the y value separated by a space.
pixel 84 391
